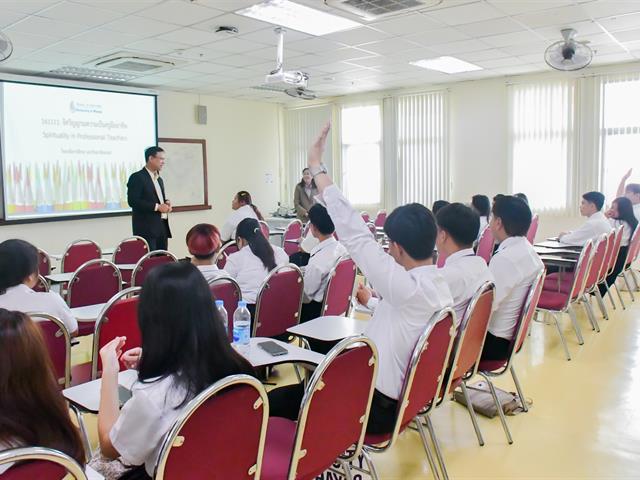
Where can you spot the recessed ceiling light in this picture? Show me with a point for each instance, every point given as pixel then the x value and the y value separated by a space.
pixel 91 74
pixel 298 17
pixel 446 65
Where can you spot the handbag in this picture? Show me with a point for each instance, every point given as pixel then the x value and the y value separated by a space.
pixel 482 400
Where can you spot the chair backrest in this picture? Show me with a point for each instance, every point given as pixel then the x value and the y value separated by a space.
pixel 485 244
pixel 279 301
pixel 372 229
pixel 337 296
pixel 634 248
pixel 130 250
pixel 78 253
pixel 227 290
pixel 39 463
pixel 118 318
pixel 96 281
pixel 615 250
pixel 533 229
pixel 528 311
pixel 264 228
pixel 365 216
pixel 606 261
pixel 221 257
pixel 238 410
pixel 58 341
pixel 381 217
pixel 330 420
pixel 292 232
pixel 599 258
pixel 147 263
pixel 44 263
pixel 41 285
pixel 581 271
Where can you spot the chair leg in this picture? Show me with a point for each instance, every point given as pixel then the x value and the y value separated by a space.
pixel 472 414
pixel 564 342
pixel 624 307
pixel 592 318
pixel 427 448
pixel 610 295
pixel 436 445
pixel 84 435
pixel 601 305
pixel 635 279
pixel 576 327
pixel 626 281
pixel 370 466
pixel 346 469
pixel 503 420
pixel 525 407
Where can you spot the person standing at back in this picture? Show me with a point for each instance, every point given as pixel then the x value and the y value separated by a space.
pixel 631 191
pixel 148 201
pixel 243 207
pixel 304 195
pixel 596 224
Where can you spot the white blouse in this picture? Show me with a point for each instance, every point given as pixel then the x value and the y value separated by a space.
pixel 228 231
pixel 211 272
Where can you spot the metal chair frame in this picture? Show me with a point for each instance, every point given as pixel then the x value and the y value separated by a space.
pixel 100 261
pixel 66 381
pixel 332 274
pixel 154 253
pixel 15 455
pixel 75 242
pixel 125 240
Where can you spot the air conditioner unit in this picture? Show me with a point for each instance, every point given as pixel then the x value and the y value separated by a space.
pixel 377 9
pixel 134 63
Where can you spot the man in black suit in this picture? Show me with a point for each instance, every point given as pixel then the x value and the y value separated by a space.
pixel 146 197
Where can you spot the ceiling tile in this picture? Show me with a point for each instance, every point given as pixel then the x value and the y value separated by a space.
pixel 314 45
pixel 525 48
pixel 188 36
pixel 74 47
pixel 239 60
pixel 90 16
pixel 205 68
pixel 27 6
pixel 38 25
pixel 156 46
pixel 454 48
pixel 356 36
pixel 140 26
pixel 27 65
pixel 126 7
pixel 243 24
pixel 509 39
pixel 500 62
pixel 31 41
pixel 516 7
pixel 628 35
pixel 469 13
pixel 236 45
pixel 108 38
pixel 407 24
pixel 46 55
pixel 7 18
pixel 442 35
pixel 490 54
pixel 490 27
pixel 390 46
pixel 612 58
pixel 227 5
pixel 622 22
pixel 608 8
pixel 583 29
pixel 267 36
pixel 180 13
pixel 556 16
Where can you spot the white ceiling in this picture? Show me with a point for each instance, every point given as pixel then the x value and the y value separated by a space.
pixel 505 37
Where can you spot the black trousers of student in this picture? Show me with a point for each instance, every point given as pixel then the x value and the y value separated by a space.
pixel 622 256
pixel 495 348
pixel 301 259
pixel 285 402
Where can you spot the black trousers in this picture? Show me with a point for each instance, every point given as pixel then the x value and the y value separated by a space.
pixel 622 256
pixel 495 348
pixel 301 259
pixel 285 402
pixel 157 243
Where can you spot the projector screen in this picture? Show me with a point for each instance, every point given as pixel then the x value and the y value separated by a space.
pixel 69 151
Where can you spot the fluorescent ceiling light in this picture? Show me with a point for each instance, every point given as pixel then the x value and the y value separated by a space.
pixel 92 74
pixel 298 17
pixel 446 65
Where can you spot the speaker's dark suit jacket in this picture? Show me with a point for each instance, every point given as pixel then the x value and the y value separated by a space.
pixel 142 198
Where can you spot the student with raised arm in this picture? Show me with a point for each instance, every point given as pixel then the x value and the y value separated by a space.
pixel 631 191
pixel 596 224
pixel 411 289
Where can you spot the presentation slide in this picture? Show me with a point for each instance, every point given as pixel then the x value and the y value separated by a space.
pixel 69 151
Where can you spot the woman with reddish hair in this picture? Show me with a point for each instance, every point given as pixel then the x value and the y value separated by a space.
pixel 203 241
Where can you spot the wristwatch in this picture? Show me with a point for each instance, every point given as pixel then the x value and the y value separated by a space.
pixel 318 170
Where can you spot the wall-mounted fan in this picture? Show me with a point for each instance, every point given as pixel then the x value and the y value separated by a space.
pixel 568 54
pixel 6 47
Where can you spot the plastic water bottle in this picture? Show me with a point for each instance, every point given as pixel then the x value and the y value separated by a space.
pixel 223 312
pixel 241 327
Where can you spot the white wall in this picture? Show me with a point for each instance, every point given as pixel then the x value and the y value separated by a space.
pixel 242 145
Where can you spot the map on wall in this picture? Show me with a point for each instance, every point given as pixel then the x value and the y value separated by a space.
pixel 185 173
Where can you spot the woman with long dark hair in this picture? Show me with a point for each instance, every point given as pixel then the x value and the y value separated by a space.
pixel 303 196
pixel 32 409
pixel 482 206
pixel 256 258
pixel 243 207
pixel 185 349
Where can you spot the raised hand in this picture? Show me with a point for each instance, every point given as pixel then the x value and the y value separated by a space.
pixel 317 148
pixel 131 358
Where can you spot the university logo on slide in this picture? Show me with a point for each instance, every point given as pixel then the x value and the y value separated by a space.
pixel 76 107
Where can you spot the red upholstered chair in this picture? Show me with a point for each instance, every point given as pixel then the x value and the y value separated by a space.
pixel 279 301
pixel 78 253
pixel 221 257
pixel 128 252
pixel 292 237
pixel 118 318
pixel 58 341
pixel 555 301
pixel 264 228
pixel 611 264
pixel 39 463
pixel 533 229
pixel 147 263
pixel 485 245
pixel 42 285
pixel 372 229
pixel 632 255
pixel 422 382
pixel 494 368
pixel 220 435
pixel 337 296
pixel 44 263
pixel 381 217
pixel 365 217
pixel 329 422
pixel 227 290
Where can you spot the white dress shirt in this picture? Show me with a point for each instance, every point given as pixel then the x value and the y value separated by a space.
pixel 636 211
pixel 23 299
pixel 514 267
pixel 249 272
pixel 596 225
pixel 309 243
pixel 211 272
pixel 409 297
pixel 228 231
pixel 626 231
pixel 154 178
pixel 464 272
pixel 316 274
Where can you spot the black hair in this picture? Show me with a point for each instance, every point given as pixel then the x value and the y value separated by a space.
pixel 459 221
pixel 482 205
pixel 437 205
pixel 413 227
pixel 244 197
pixel 18 260
pixel 596 198
pixel 522 197
pixel 625 212
pixel 319 218
pixel 182 333
pixel 249 230
pixel 633 188
pixel 313 181
pixel 514 213
pixel 151 152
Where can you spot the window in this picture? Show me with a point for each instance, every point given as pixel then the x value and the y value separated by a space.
pixel 361 134
pixel 541 141
pixel 620 133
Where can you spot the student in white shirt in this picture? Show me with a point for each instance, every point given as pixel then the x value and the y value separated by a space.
pixel 463 270
pixel 185 349
pixel 596 224
pixel 482 206
pixel 411 287
pixel 203 241
pixel 631 191
pixel 32 410
pixel 514 266
pixel 323 258
pixel 243 207
pixel 251 265
pixel 18 276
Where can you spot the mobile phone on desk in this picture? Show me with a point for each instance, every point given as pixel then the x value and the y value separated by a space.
pixel 272 348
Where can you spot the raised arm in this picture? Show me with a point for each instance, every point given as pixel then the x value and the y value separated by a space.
pixel 623 183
